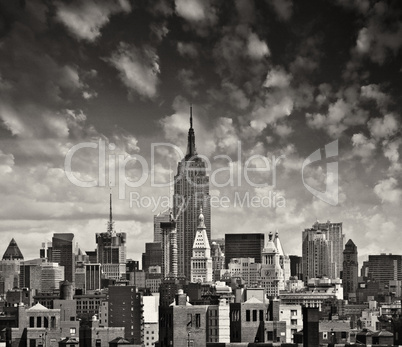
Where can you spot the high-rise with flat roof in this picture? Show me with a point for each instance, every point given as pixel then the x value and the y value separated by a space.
pixel 158 219
pixel 243 246
pixel 323 246
pixel 383 268
pixel 125 309
pixel 63 253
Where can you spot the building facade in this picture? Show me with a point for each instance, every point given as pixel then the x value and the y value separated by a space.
pixel 350 269
pixel 243 246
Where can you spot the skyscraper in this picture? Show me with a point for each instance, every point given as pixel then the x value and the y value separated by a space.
pixel 63 253
pixel 243 246
pixel 316 255
pixel 325 241
pixel 158 218
pixel 191 192
pixel 383 268
pixel 350 269
pixel 111 250
pixel 201 261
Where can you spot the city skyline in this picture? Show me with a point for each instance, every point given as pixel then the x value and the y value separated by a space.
pixel 266 79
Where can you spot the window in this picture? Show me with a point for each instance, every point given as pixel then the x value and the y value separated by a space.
pixel 270 336
pixel 343 334
pixel 293 312
pixel 72 331
pixel 39 322
pixel 261 315
pixel 189 320
pixel 254 315
pixel 248 315
pixel 325 335
pixel 293 322
pixel 45 322
pixel 53 322
pixel 197 320
pixel 32 322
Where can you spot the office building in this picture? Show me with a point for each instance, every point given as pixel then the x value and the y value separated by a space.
pixel 383 268
pixel 152 255
pixel 350 269
pixel 191 192
pixel 52 275
pixel 243 246
pixel 125 309
pixel 111 250
pixel 316 255
pixel 296 266
pixel 158 219
pixel 218 260
pixel 63 253
pixel 335 241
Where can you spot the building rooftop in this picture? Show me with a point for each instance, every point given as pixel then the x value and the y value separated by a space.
pixel 12 252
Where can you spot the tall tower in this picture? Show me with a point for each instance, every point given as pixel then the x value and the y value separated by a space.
pixel 63 253
pixel 191 192
pixel 201 261
pixel 316 255
pixel 272 277
pixel 111 250
pixel 350 269
pixel 336 240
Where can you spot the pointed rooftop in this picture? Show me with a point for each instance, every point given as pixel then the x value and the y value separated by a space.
pixel 191 150
pixel 38 307
pixel 270 245
pixel 201 238
pixel 13 252
pixel 278 244
pixel 350 246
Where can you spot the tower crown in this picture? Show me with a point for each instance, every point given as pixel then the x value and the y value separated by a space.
pixel 191 150
pixel 201 222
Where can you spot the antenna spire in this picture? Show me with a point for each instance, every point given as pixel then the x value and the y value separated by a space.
pixel 191 151
pixel 110 223
pixel 191 116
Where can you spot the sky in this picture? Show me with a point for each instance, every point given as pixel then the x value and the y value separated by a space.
pixel 97 93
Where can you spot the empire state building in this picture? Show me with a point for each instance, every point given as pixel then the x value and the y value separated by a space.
pixel 191 194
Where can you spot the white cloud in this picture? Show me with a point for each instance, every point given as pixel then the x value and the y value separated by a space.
pixel 383 127
pixel 387 190
pixel 257 48
pixel 85 19
pixel 277 77
pixel 362 146
pixel 372 91
pixel 275 108
pixel 139 68
pixel 340 116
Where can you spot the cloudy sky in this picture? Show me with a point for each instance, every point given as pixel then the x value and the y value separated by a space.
pixel 279 77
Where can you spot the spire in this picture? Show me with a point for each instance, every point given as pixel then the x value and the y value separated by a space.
pixel 110 223
pixel 191 150
pixel 201 223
